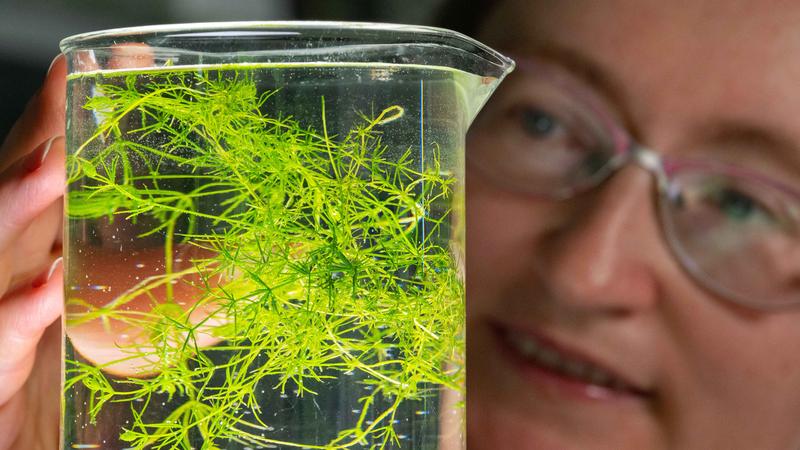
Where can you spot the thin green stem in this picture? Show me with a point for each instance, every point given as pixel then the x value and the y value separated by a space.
pixel 315 263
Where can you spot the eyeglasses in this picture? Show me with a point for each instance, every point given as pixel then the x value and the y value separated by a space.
pixel 734 231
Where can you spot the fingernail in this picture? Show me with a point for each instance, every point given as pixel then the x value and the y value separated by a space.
pixel 53 62
pixel 37 156
pixel 42 279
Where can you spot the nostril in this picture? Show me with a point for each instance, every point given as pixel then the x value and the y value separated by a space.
pixel 583 284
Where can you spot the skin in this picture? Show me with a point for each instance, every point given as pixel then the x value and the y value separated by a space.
pixel 91 339
pixel 594 273
pixel 31 184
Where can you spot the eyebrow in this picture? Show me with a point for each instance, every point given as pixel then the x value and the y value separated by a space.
pixel 724 132
pixel 734 134
pixel 592 73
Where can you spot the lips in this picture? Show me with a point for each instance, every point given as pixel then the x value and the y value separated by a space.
pixel 546 358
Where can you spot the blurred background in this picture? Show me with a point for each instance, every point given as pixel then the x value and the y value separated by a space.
pixel 31 29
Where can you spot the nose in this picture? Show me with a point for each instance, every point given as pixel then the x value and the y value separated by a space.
pixel 601 256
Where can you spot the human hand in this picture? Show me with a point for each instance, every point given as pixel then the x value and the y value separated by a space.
pixel 31 295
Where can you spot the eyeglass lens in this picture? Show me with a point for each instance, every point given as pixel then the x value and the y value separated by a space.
pixel 735 234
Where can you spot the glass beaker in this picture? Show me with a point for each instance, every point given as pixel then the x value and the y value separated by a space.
pixel 264 235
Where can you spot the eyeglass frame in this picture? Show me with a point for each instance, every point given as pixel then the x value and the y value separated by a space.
pixel 626 150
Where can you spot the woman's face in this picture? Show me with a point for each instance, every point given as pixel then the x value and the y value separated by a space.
pixel 584 331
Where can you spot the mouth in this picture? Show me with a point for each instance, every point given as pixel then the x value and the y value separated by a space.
pixel 543 361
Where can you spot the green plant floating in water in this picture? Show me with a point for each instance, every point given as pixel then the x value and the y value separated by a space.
pixel 314 263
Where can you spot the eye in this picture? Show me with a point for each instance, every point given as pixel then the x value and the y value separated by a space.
pixel 542 139
pixel 736 204
pixel 738 201
pixel 739 206
pixel 746 208
pixel 539 123
pixel 564 140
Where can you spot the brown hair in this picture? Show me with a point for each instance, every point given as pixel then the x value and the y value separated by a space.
pixel 464 16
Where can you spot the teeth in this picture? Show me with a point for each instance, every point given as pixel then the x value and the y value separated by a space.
pixel 550 358
pixel 527 347
pixel 617 385
pixel 599 377
pixel 574 368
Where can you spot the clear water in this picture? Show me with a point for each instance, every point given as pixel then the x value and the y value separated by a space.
pixel 149 306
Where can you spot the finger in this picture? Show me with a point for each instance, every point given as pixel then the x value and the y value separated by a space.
pixel 23 318
pixel 29 188
pixel 12 416
pixel 131 56
pixel 43 118
pixel 34 250
pixel 41 409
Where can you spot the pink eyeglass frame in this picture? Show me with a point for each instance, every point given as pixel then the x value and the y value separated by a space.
pixel 664 168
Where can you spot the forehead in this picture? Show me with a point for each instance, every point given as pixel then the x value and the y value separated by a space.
pixel 738 29
pixel 682 61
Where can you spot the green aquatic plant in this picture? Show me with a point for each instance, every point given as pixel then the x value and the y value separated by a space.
pixel 314 262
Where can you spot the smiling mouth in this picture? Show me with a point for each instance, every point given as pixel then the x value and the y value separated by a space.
pixel 546 359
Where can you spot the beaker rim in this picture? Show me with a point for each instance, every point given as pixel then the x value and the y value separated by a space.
pixel 354 33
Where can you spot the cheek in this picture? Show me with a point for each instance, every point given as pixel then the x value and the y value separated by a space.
pixel 762 362
pixel 502 229
pixel 753 350
pixel 745 368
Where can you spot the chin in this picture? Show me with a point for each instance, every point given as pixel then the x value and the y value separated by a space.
pixel 491 431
